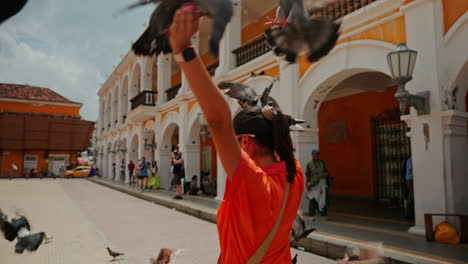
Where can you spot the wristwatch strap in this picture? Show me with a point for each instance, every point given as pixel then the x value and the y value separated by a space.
pixel 185 55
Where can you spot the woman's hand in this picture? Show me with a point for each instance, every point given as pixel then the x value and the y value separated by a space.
pixel 184 25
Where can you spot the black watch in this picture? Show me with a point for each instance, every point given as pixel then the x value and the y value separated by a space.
pixel 185 55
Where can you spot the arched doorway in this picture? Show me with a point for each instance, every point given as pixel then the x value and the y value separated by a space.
pixel 115 106
pixel 108 154
pixel 169 143
pixel 362 140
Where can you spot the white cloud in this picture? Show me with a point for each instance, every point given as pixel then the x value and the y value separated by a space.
pixel 67 46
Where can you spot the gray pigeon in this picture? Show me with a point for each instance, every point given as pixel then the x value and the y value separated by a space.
pixel 20 228
pixel 299 230
pixel 9 8
pixel 295 30
pixel 114 254
pixel 247 97
pixel 155 38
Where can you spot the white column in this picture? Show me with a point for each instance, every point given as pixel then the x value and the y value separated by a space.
pixel 141 142
pixel 128 148
pixel 424 32
pixel 100 121
pixel 118 160
pixel 305 142
pixel 164 162
pixel 183 133
pixel 230 41
pixel 196 44
pixel 289 87
pixel 220 180
pixel 164 76
pixel 456 159
pixel 192 161
pixel 147 73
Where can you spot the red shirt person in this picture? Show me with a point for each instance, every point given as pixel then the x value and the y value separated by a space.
pixel 256 152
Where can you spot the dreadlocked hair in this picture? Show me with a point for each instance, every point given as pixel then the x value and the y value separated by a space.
pixel 273 135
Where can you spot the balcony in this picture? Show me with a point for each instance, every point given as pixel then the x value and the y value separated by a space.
pixel 211 68
pixel 340 8
pixel 143 106
pixel 172 92
pixel 259 46
pixel 144 98
pixel 251 50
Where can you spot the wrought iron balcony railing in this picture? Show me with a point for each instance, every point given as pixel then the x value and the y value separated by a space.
pixel 340 8
pixel 144 98
pixel 251 50
pixel 259 46
pixel 172 92
pixel 211 68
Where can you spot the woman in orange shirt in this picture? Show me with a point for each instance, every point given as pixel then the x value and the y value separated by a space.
pixel 257 154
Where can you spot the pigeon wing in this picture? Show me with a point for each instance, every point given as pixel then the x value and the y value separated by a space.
pixel 320 35
pixel 221 12
pixel 240 91
pixel 10 8
pixel 9 230
pixel 154 40
pixel 30 242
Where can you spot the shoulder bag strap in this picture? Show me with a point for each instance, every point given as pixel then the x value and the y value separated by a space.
pixel 263 248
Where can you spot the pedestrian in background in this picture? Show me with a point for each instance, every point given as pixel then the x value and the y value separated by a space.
pixel 122 171
pixel 178 162
pixel 131 169
pixel 143 174
pixel 113 171
pixel 154 180
pixel 317 185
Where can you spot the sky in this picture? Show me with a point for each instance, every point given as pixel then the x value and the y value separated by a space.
pixel 69 46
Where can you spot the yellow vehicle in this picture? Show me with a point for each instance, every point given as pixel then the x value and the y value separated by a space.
pixel 78 172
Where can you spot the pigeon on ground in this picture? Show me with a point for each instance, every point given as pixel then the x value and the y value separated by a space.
pixel 299 231
pixel 247 98
pixel 9 8
pixel 21 229
pixel 155 38
pixel 164 257
pixel 114 254
pixel 294 260
pixel 294 30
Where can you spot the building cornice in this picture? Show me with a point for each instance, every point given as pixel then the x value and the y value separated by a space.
pixel 40 102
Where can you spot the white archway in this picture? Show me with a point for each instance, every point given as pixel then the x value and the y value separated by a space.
pixel 346 59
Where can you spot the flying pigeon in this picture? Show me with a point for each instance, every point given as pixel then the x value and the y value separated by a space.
pixel 9 8
pixel 20 228
pixel 247 97
pixel 299 231
pixel 114 254
pixel 155 38
pixel 164 257
pixel 294 260
pixel 294 30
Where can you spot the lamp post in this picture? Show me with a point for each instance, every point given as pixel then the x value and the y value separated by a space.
pixel 204 126
pixel 146 137
pixel 401 63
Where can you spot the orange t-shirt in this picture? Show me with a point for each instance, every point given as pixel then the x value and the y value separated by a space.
pixel 251 205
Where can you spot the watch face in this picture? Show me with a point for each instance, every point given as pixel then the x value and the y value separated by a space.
pixel 189 54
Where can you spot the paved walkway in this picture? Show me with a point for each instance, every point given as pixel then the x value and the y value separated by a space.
pixel 85 217
pixel 341 229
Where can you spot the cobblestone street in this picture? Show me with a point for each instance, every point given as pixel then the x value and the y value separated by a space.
pixel 85 217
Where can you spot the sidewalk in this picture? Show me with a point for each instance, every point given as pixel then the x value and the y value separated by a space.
pixel 332 237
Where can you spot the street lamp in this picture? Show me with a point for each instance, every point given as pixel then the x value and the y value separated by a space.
pixel 401 63
pixel 204 126
pixel 146 137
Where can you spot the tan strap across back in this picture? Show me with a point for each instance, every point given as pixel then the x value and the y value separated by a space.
pixel 257 257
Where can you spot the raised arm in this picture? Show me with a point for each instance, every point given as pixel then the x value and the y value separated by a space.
pixel 210 99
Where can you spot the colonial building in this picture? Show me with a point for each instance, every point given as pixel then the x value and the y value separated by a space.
pixel 347 99
pixel 39 129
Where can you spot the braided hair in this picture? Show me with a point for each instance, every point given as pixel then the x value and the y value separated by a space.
pixel 272 133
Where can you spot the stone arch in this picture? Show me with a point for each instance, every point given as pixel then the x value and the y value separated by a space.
pixel 194 126
pixel 135 87
pixel 346 60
